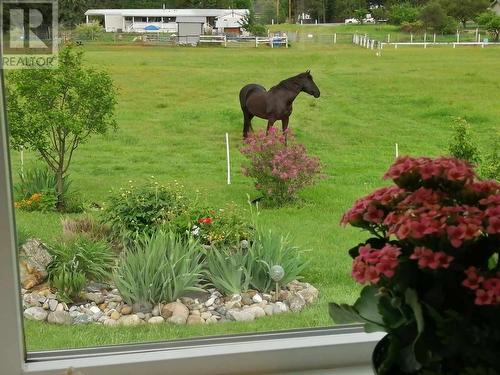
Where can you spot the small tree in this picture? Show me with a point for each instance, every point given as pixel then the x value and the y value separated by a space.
pixel 462 146
pixel 53 111
pixel 433 16
pixel 465 10
pixel 88 31
pixel 250 24
pixel 491 22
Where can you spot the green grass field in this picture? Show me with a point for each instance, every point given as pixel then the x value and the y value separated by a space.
pixel 176 104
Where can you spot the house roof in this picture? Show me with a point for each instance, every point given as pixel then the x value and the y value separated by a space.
pixel 191 19
pixel 165 12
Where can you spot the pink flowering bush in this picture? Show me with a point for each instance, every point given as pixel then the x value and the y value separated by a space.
pixel 431 268
pixel 279 166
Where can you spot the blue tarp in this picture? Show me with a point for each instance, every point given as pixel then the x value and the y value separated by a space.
pixel 152 28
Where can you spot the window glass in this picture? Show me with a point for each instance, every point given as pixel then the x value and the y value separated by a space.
pixel 143 215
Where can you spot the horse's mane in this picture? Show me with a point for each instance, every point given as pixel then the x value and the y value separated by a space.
pixel 291 83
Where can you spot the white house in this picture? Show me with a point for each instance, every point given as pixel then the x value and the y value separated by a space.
pixel 161 20
pixel 231 22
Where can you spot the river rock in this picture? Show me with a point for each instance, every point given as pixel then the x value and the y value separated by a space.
pixel 53 304
pixel 194 319
pixel 269 309
pixel 205 315
pixel 175 312
pixel 115 315
pixel 126 310
pixel 241 315
pixel 310 293
pixel 257 311
pixel 129 320
pixel 98 298
pixel 296 302
pixel 156 320
pixel 95 310
pixel 156 310
pixel 257 298
pixel 59 317
pixel 35 313
pixel 142 307
pixel 31 300
pixel 280 307
pixel 34 259
pixel 111 323
pixel 210 301
pixel 82 319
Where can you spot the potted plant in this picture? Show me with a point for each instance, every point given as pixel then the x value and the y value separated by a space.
pixel 430 268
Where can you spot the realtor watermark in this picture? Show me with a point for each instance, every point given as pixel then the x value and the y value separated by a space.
pixel 29 34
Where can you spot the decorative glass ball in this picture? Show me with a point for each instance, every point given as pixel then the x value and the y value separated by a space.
pixel 277 272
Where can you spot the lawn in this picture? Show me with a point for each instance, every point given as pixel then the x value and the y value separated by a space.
pixel 176 104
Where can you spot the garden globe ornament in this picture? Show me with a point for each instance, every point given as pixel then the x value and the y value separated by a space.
pixel 277 273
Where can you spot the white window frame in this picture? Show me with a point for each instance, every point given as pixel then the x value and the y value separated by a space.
pixel 346 350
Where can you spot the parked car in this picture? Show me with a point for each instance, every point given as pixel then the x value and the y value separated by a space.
pixel 351 21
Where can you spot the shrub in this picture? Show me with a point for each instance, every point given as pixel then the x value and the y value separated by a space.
pixel 228 270
pixel 84 226
pixel 491 21
pixel 160 268
pixel 220 227
pixel 279 166
pixel 270 249
pixel 88 31
pixel 36 191
pixel 140 210
pixel 412 27
pixel 430 267
pixel 75 262
pixel 433 16
pixel 462 146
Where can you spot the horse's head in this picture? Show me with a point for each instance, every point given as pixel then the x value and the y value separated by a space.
pixel 308 84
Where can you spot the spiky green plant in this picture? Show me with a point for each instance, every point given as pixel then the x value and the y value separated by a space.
pixel 159 268
pixel 270 249
pixel 228 270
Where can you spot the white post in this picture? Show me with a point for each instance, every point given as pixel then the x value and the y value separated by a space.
pixel 425 40
pixel 286 40
pixel 479 37
pixel 335 38
pixel 225 41
pixel 388 38
pixel 22 161
pixel 411 38
pixel 434 38
pixel 458 36
pixel 86 19
pixel 256 42
pixel 397 151
pixel 228 160
pixel 477 33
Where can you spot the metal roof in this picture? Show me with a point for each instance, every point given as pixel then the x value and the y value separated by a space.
pixel 165 12
pixel 191 19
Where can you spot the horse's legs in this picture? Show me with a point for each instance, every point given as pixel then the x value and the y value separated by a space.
pixel 270 123
pixel 284 123
pixel 247 123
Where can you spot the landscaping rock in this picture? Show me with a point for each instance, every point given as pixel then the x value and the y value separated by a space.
pixel 210 301
pixel 269 309
pixel 257 298
pixel 143 307
pixel 115 315
pixel 257 311
pixel 156 320
pixel 175 312
pixel 241 315
pixel 35 313
pixel 96 287
pixel 95 310
pixel 111 323
pixel 141 315
pixel 246 299
pixel 296 302
pixel 156 310
pixel 82 319
pixel 59 317
pixel 61 307
pixel 194 319
pixel 52 304
pixel 280 307
pixel 310 293
pixel 126 310
pixel 31 300
pixel 34 259
pixel 129 320
pixel 98 298
pixel 205 315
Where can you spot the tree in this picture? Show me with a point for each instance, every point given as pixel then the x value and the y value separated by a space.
pixel 465 10
pixel 250 24
pixel 491 22
pixel 53 111
pixel 433 16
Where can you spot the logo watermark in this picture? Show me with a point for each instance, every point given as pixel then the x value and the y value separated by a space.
pixel 29 31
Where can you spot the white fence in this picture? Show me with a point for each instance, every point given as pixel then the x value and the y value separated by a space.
pixel 271 41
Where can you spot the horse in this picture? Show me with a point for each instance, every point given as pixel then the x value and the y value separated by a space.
pixel 275 104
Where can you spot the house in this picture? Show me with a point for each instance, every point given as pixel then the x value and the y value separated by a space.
pixel 231 22
pixel 159 20
pixel 495 6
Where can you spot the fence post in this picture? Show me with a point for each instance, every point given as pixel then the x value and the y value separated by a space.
pixel 256 42
pixel 335 38
pixel 458 36
pixel 411 38
pixel 286 40
pixel 388 38
pixel 434 38
pixel 225 41
pixel 425 40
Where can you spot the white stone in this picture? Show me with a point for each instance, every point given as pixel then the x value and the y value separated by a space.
pixel 296 302
pixel 111 323
pixel 129 320
pixel 257 298
pixel 53 304
pixel 210 302
pixel 206 315
pixel 269 309
pixel 95 309
pixel 60 317
pixel 35 313
pixel 241 315
pixel 257 311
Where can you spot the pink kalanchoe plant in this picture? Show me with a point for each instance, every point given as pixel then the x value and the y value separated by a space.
pixel 431 268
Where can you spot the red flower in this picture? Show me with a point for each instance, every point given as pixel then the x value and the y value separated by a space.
pixel 205 220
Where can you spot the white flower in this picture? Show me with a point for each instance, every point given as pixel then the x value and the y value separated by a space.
pixel 195 231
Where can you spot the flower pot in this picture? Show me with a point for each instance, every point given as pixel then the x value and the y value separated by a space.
pixel 380 353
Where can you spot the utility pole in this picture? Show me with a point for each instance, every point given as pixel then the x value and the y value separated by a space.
pixel 277 11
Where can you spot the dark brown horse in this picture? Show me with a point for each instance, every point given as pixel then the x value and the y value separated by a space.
pixel 275 104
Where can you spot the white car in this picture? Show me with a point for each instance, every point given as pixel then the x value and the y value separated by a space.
pixel 351 21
